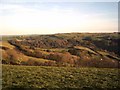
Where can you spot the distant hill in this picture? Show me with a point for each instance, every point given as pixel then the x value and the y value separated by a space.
pixel 66 49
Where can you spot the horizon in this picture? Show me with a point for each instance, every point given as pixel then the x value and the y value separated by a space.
pixel 62 33
pixel 58 17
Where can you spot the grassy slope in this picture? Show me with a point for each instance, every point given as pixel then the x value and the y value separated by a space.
pixel 59 77
pixel 6 44
pixel 19 55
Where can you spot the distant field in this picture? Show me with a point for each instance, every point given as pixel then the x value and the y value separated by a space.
pixel 59 77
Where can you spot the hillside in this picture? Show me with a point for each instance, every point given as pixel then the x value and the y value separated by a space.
pixel 67 49
pixel 59 78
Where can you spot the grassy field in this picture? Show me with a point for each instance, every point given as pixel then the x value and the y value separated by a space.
pixel 59 77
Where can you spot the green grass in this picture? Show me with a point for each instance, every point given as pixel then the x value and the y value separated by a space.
pixel 59 77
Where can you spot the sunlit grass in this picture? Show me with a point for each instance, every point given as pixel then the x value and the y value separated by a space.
pixel 59 77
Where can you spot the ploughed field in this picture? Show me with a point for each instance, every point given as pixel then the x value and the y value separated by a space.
pixel 14 76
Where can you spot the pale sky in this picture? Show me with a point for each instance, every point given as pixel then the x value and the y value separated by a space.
pixel 57 17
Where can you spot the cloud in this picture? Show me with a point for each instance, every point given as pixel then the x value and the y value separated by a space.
pixel 18 19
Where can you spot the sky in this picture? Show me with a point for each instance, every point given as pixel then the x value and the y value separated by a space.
pixel 33 17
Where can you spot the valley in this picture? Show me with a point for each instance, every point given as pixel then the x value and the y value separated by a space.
pixel 61 61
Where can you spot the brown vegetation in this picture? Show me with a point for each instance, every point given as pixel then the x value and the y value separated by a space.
pixel 74 49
